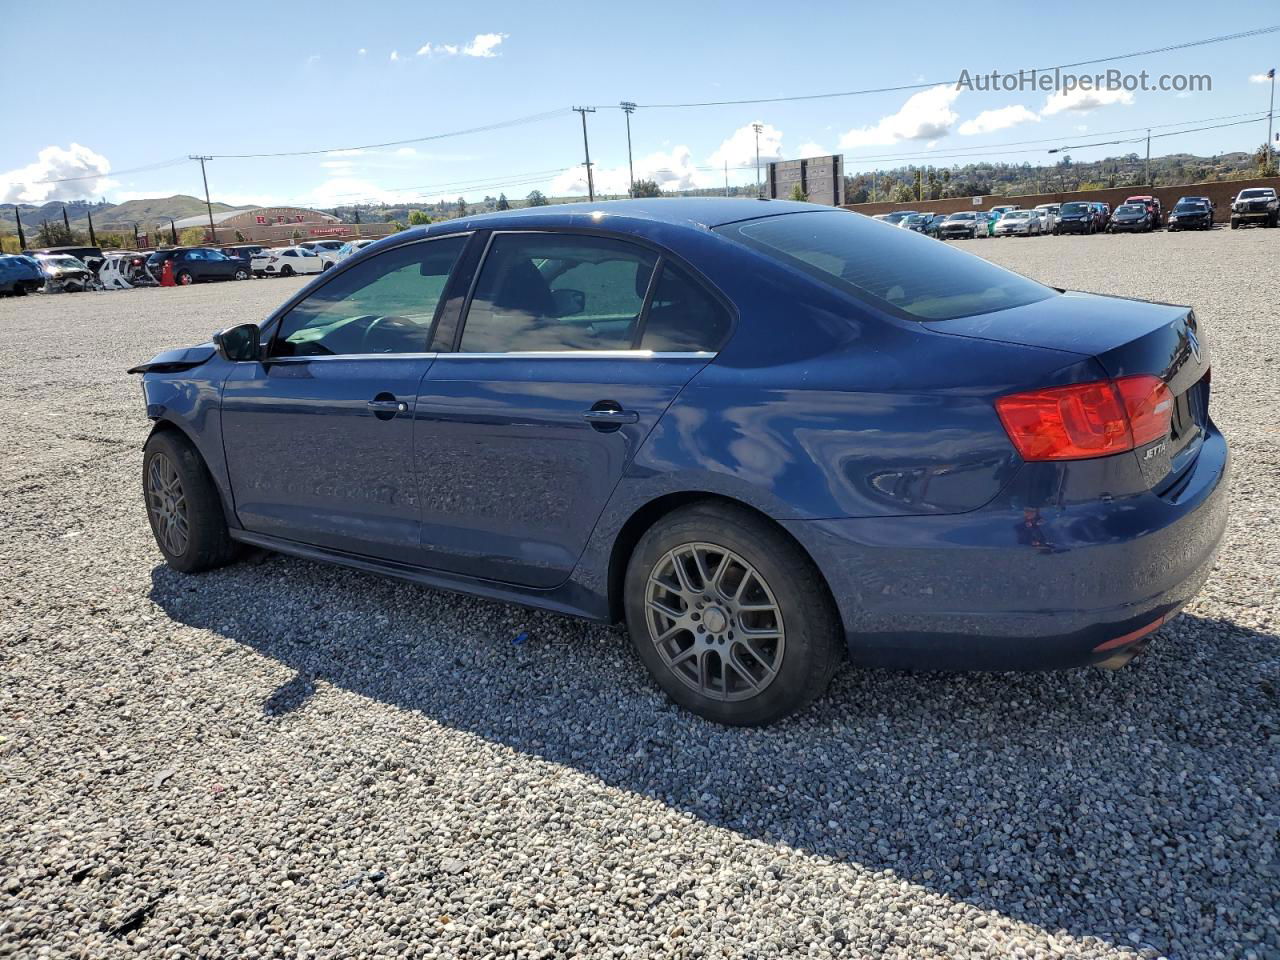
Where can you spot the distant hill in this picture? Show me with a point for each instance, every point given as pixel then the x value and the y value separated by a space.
pixel 109 215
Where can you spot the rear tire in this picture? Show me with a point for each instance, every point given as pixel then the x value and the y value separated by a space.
pixel 185 279
pixel 286 271
pixel 183 506
pixel 703 656
pixel 242 275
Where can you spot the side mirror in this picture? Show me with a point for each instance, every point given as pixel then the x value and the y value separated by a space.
pixel 239 344
pixel 569 303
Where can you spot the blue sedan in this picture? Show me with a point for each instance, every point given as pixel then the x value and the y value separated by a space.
pixel 764 435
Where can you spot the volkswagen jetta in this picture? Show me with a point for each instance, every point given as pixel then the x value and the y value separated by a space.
pixel 763 434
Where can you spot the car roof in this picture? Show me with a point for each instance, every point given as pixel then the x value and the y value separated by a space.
pixel 698 213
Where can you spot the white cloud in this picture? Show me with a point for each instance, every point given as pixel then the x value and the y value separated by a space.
pixel 672 170
pixel 926 115
pixel 345 153
pixel 340 190
pixel 1082 128
pixel 337 164
pixel 362 51
pixel 313 59
pixel 1259 78
pixel 811 149
pixel 395 55
pixel 989 121
pixel 482 45
pixel 406 152
pixel 739 149
pixel 1082 100
pixel 55 163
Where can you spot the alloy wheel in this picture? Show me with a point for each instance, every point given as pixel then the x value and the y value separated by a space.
pixel 167 504
pixel 714 621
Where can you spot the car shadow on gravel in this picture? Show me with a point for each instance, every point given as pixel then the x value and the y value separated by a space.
pixel 1135 806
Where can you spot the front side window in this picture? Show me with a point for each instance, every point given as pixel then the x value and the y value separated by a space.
pixel 384 305
pixel 898 269
pixel 540 292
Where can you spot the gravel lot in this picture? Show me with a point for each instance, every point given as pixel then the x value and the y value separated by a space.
pixel 285 759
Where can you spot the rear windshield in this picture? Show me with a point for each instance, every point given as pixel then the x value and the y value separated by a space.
pixel 1075 208
pixel 900 270
pixel 961 216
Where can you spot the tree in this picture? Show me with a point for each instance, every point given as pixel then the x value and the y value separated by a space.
pixel 860 196
pixel 646 188
pixel 462 206
pixel 296 235
pixel 503 203
pixel 239 237
pixel 194 236
pixel 537 199
pixel 903 194
pixel 418 217
pixel 1266 161
pixel 396 225
pixel 797 193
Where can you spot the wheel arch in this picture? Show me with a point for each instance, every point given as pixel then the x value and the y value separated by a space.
pixel 167 425
pixel 651 512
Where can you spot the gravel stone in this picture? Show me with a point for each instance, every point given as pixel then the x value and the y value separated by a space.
pixel 287 759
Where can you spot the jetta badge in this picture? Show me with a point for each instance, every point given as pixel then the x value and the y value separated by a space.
pixel 1194 343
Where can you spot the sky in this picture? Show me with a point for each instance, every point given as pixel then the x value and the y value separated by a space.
pixel 260 78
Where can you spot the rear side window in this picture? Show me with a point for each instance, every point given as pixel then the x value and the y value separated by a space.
pixel 541 292
pixel 901 270
pixel 683 317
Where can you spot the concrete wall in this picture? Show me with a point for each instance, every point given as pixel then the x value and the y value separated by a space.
pixel 1220 192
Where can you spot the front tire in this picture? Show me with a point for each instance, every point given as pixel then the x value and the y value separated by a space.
pixel 242 275
pixel 730 616
pixel 183 505
pixel 185 279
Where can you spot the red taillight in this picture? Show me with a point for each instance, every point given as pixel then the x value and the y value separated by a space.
pixel 1083 420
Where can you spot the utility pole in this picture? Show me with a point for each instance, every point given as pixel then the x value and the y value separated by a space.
pixel 757 128
pixel 22 237
pixel 173 231
pixel 726 178
pixel 628 108
pixel 213 231
pixel 591 186
pixel 1270 111
pixel 1148 171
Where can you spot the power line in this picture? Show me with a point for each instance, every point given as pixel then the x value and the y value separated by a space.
pixel 898 88
pixel 500 125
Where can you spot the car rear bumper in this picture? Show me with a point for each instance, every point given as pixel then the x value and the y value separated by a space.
pixel 1008 587
pixel 1073 226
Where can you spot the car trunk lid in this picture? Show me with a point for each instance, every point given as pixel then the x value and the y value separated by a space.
pixel 1127 338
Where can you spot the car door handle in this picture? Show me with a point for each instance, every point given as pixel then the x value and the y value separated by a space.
pixel 610 417
pixel 385 406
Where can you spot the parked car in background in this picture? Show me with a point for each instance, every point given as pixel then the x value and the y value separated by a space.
pixel 321 246
pixel 197 265
pixel 1190 215
pixel 243 251
pixel 1049 216
pixel 1213 207
pixel 19 275
pixel 963 224
pixel 1076 216
pixel 85 254
pixel 1130 218
pixel 124 269
pixel 1019 223
pixel 897 216
pixel 287 261
pixel 65 273
pixel 570 435
pixel 1153 205
pixel 1102 212
pixel 354 246
pixel 919 222
pixel 1255 205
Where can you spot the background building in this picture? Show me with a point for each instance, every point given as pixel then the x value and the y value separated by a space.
pixel 278 225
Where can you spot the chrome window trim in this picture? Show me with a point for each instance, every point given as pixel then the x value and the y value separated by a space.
pixel 352 356
pixel 586 355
